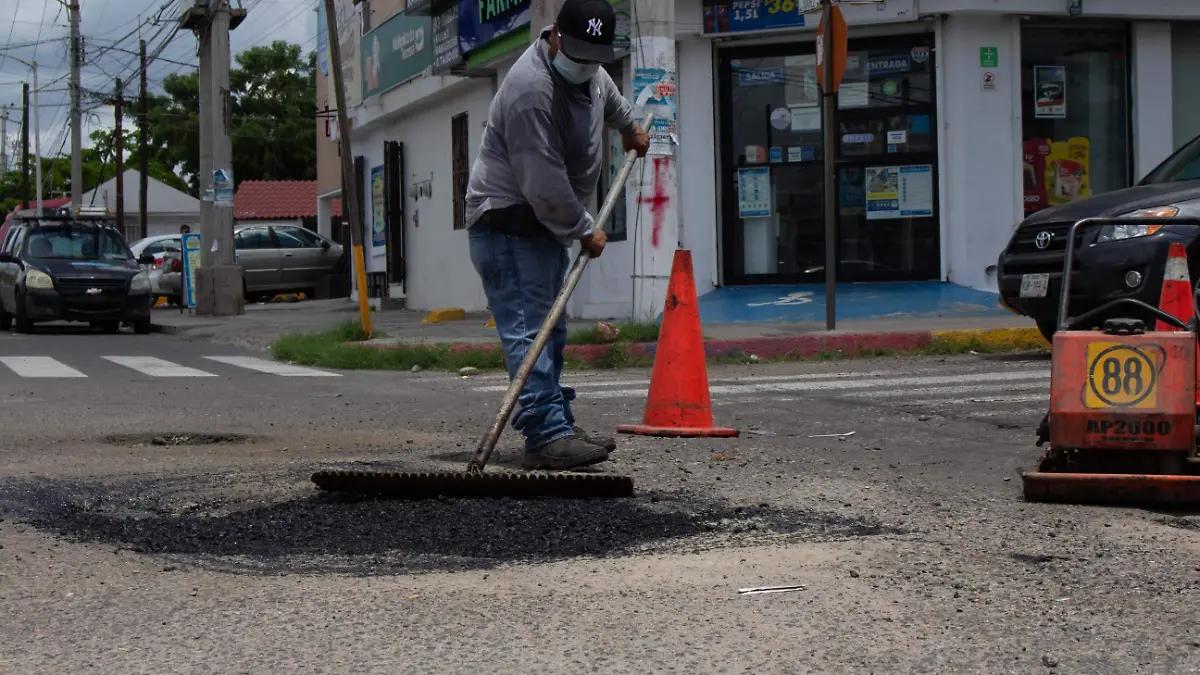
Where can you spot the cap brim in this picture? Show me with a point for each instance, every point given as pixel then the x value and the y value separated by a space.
pixel 579 50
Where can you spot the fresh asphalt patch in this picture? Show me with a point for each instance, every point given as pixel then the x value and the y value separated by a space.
pixel 189 520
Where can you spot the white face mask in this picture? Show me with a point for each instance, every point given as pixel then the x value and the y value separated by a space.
pixel 573 71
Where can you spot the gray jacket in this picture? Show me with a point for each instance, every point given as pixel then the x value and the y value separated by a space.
pixel 543 144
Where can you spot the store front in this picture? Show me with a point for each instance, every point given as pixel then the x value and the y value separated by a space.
pixel 886 157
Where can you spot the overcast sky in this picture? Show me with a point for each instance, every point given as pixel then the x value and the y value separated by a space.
pixel 36 30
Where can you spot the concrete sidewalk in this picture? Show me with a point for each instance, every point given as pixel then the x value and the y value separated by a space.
pixel 262 324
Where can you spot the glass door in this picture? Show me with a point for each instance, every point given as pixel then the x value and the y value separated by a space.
pixel 887 162
pixel 771 134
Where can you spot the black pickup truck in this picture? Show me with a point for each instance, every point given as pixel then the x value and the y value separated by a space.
pixel 1122 261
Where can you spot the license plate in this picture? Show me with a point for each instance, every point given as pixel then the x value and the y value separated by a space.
pixel 1034 285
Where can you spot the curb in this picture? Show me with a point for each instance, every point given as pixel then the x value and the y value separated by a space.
pixel 812 344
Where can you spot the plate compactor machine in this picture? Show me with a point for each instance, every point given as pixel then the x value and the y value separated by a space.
pixel 1122 424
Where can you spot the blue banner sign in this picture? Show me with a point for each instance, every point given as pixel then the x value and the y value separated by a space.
pixel 739 16
pixel 481 21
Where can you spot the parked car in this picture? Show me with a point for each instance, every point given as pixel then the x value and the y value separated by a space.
pixel 166 271
pixel 1119 261
pixel 68 268
pixel 277 258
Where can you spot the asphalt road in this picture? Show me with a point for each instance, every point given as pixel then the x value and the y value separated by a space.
pixel 158 518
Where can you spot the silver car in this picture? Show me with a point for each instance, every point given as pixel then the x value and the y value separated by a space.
pixel 166 274
pixel 277 258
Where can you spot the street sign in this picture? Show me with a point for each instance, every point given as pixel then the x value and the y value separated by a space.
pixel 191 261
pixel 840 48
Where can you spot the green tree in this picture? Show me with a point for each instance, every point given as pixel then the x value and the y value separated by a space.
pixel 273 103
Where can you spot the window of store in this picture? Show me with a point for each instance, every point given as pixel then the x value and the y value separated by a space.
pixel 1075 111
pixel 614 157
pixel 460 168
pixel 886 163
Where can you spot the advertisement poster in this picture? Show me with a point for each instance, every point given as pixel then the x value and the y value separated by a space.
pixel 654 92
pixel 222 187
pixel 1050 92
pixel 754 192
pixel 801 88
pixel 1033 173
pixel 191 261
pixel 899 191
pixel 1067 171
pixel 378 209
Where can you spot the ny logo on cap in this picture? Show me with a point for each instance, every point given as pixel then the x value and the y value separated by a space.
pixel 595 26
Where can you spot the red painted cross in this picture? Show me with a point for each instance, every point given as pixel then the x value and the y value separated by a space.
pixel 658 203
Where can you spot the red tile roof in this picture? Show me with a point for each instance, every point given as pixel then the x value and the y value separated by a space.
pixel 263 199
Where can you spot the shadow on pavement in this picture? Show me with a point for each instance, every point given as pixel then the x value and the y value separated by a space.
pixel 322 533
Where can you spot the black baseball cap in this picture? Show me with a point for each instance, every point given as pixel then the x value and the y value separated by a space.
pixel 586 28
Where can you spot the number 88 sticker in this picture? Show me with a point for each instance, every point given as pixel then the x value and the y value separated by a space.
pixel 1121 376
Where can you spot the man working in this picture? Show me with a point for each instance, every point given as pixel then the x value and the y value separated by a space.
pixel 538 165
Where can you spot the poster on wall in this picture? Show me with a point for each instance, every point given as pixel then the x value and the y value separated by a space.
pixel 654 92
pixel 378 209
pixel 754 192
pixel 899 191
pixel 801 88
pixel 1050 92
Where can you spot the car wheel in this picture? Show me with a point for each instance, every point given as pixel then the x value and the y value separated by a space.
pixel 1047 328
pixel 142 326
pixel 20 318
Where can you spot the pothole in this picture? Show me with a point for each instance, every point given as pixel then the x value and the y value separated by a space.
pixel 178 438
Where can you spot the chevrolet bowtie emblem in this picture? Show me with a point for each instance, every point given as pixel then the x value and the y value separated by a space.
pixel 93 291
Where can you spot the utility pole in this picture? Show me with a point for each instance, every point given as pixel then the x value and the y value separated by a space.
pixel 351 190
pixel 24 146
pixel 4 138
pixel 119 148
pixel 76 113
pixel 654 187
pixel 143 150
pixel 218 281
pixel 831 62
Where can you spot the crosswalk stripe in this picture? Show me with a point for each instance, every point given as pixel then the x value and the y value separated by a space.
pixel 744 380
pixel 271 367
pixel 156 367
pixel 881 383
pixel 947 391
pixel 39 366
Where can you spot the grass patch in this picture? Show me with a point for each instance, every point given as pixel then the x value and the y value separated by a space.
pixel 627 332
pixel 334 348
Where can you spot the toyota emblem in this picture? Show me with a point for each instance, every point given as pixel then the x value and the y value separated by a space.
pixel 1042 240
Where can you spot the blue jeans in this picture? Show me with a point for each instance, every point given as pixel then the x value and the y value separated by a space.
pixel 521 277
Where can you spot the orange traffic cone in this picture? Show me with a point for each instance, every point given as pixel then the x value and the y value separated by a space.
pixel 678 404
pixel 1176 297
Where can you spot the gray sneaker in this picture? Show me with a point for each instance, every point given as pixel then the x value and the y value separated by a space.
pixel 607 442
pixel 571 452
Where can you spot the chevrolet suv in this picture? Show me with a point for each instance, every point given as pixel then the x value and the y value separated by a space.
pixel 66 268
pixel 1115 261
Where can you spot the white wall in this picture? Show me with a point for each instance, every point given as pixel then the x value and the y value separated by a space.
pixel 1185 64
pixel 1153 128
pixel 979 146
pixel 439 270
